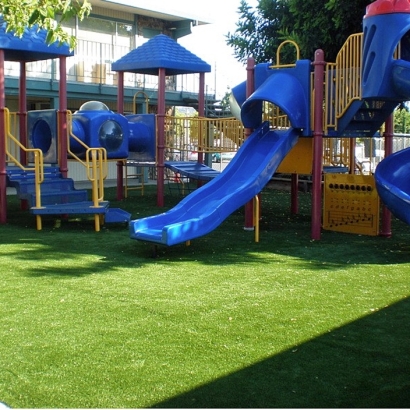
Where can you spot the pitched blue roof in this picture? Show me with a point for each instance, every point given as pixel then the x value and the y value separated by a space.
pixel 31 46
pixel 161 51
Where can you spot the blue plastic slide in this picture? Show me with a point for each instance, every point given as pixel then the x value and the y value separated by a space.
pixel 393 183
pixel 206 208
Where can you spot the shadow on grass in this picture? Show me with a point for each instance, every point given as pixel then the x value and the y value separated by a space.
pixel 281 234
pixel 364 364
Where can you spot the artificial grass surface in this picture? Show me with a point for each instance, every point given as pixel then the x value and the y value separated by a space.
pixel 92 320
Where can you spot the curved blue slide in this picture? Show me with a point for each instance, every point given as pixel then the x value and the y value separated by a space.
pixel 393 183
pixel 207 207
pixel 392 174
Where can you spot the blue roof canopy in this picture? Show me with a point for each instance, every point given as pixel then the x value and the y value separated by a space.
pixel 161 51
pixel 31 46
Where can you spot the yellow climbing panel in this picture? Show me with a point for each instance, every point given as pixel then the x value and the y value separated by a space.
pixel 299 160
pixel 351 204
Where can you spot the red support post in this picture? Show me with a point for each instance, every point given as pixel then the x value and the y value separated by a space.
pixel 201 113
pixel 22 117
pixel 388 149
pixel 319 69
pixel 250 88
pixel 3 181
pixel 23 112
pixel 62 131
pixel 352 159
pixel 120 110
pixel 161 137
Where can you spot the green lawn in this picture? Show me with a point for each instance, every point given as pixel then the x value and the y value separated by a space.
pixel 91 319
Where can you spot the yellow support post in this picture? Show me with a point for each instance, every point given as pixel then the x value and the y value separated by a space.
pixel 256 217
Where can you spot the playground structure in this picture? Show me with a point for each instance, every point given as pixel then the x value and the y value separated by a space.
pixel 39 144
pixel 350 98
pixel 306 118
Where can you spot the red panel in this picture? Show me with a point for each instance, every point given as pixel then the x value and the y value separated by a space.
pixel 387 7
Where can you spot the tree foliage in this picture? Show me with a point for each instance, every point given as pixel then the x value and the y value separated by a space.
pixel 402 119
pixel 45 14
pixel 312 24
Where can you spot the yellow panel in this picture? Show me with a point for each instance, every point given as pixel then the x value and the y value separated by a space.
pixel 300 158
pixel 351 204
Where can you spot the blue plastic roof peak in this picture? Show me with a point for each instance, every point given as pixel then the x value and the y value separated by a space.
pixel 161 51
pixel 31 46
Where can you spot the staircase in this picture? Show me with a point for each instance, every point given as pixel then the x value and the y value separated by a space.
pixel 59 196
pixel 364 118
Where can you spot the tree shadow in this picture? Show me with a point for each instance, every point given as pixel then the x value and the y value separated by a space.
pixel 228 245
pixel 364 364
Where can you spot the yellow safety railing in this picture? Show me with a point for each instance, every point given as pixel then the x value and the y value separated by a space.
pixel 336 151
pixel 348 79
pixel 281 45
pixel 184 135
pixel 272 113
pixel 276 117
pixel 13 145
pixel 329 114
pixel 134 100
pixel 95 163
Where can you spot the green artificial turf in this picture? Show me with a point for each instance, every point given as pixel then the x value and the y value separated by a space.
pixel 92 319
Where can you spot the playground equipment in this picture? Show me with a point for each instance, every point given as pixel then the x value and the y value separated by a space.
pixel 352 97
pixel 38 145
pixel 96 135
pixel 308 102
pixel 94 126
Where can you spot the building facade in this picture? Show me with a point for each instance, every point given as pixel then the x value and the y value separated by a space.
pixel 112 30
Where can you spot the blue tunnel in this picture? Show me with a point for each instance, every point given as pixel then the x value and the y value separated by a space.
pixel 95 126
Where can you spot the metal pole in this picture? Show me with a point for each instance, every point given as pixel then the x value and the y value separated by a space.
pixel 62 137
pixel 23 122
pixel 120 110
pixel 3 181
pixel 161 137
pixel 250 88
pixel 319 66
pixel 388 150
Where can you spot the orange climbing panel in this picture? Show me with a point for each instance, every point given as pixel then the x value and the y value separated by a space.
pixel 351 204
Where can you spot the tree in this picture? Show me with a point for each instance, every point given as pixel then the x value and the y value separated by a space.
pixel 402 119
pixel 45 14
pixel 312 24
pixel 260 31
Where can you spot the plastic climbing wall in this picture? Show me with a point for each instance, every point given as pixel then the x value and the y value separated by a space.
pixel 351 204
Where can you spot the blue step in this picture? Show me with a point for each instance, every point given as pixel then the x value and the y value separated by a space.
pixel 84 207
pixel 16 174
pixel 117 215
pixel 364 118
pixel 59 196
pixel 53 190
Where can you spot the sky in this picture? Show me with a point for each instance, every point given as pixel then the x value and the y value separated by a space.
pixel 209 43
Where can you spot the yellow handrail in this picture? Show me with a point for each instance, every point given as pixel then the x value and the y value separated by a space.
pixel 256 216
pixel 95 164
pixel 348 73
pixel 38 167
pixel 134 109
pixel 278 64
pixel 95 161
pixel 208 135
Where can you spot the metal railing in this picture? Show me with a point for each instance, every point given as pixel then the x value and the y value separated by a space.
pixel 343 80
pixel 95 161
pixel 92 64
pixel 13 147
pixel 187 135
pixel 95 164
